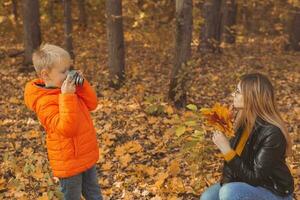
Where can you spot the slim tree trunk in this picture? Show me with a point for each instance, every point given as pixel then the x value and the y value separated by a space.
pixel 229 21
pixel 249 23
pixel 68 27
pixel 210 35
pixel 50 9
pixel 31 25
pixel 294 31
pixel 82 13
pixel 184 26
pixel 115 36
pixel 15 10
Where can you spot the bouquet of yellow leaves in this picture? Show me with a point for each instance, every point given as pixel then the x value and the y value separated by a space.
pixel 220 118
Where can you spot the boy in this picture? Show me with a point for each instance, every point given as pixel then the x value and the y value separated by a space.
pixel 63 110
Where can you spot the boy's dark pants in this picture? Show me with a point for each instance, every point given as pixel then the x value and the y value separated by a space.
pixel 85 183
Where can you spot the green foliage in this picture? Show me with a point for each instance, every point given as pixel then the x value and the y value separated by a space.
pixel 180 130
pixel 192 107
pixel 154 106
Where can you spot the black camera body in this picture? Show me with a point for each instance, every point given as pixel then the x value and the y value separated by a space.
pixel 78 80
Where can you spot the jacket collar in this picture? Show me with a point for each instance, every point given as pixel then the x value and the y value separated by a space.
pixel 257 125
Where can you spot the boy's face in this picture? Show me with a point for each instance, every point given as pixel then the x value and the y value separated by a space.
pixel 58 73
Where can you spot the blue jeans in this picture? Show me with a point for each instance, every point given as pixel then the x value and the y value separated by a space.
pixel 239 191
pixel 85 183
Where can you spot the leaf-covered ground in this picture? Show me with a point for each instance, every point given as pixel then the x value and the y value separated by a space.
pixel 140 154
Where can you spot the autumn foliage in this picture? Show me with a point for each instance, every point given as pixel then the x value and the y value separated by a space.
pixel 149 149
pixel 219 117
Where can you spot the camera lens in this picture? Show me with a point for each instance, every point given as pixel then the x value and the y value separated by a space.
pixel 78 80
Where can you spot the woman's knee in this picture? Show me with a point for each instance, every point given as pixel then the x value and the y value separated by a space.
pixel 230 191
pixel 211 193
pixel 206 196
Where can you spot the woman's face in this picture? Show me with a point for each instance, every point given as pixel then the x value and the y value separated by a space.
pixel 238 100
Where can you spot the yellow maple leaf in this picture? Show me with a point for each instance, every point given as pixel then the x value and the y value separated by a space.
pixel 174 168
pixel 169 110
pixel 107 139
pixel 150 171
pixel 2 183
pixel 220 118
pixel 160 180
pixel 125 160
pixel 38 174
pixel 176 185
pixel 120 151
pixel 32 134
pixel 107 166
pixel 133 147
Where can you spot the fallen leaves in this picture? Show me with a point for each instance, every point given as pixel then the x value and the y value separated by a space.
pixel 129 147
pixel 107 166
pixel 136 125
pixel 160 180
pixel 145 170
pixel 174 168
pixel 125 160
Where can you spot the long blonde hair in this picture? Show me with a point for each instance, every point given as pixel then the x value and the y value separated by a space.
pixel 259 101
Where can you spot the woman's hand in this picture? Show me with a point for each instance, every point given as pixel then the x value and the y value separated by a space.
pixel 221 141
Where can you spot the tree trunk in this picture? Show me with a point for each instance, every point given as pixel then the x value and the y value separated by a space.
pixel 82 13
pixel 68 27
pixel 31 25
pixel 184 26
pixel 229 21
pixel 15 10
pixel 50 9
pixel 210 35
pixel 115 36
pixel 250 26
pixel 294 31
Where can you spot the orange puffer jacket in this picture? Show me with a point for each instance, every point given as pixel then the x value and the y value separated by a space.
pixel 71 137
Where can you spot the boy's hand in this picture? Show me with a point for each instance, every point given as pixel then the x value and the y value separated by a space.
pixel 80 73
pixel 68 86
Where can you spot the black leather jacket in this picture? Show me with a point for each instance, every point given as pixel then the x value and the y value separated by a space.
pixel 262 162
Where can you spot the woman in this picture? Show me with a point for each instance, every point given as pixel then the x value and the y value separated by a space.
pixel 255 167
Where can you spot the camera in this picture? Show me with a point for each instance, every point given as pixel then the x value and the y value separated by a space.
pixel 78 80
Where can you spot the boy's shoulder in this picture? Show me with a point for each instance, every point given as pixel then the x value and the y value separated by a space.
pixel 36 95
pixel 48 98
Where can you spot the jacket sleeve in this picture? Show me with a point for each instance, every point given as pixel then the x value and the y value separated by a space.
pixel 270 151
pixel 88 95
pixel 62 118
pixel 227 175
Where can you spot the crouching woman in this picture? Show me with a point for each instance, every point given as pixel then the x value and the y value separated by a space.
pixel 255 167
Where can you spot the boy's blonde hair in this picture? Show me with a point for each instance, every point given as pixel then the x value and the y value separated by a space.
pixel 46 55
